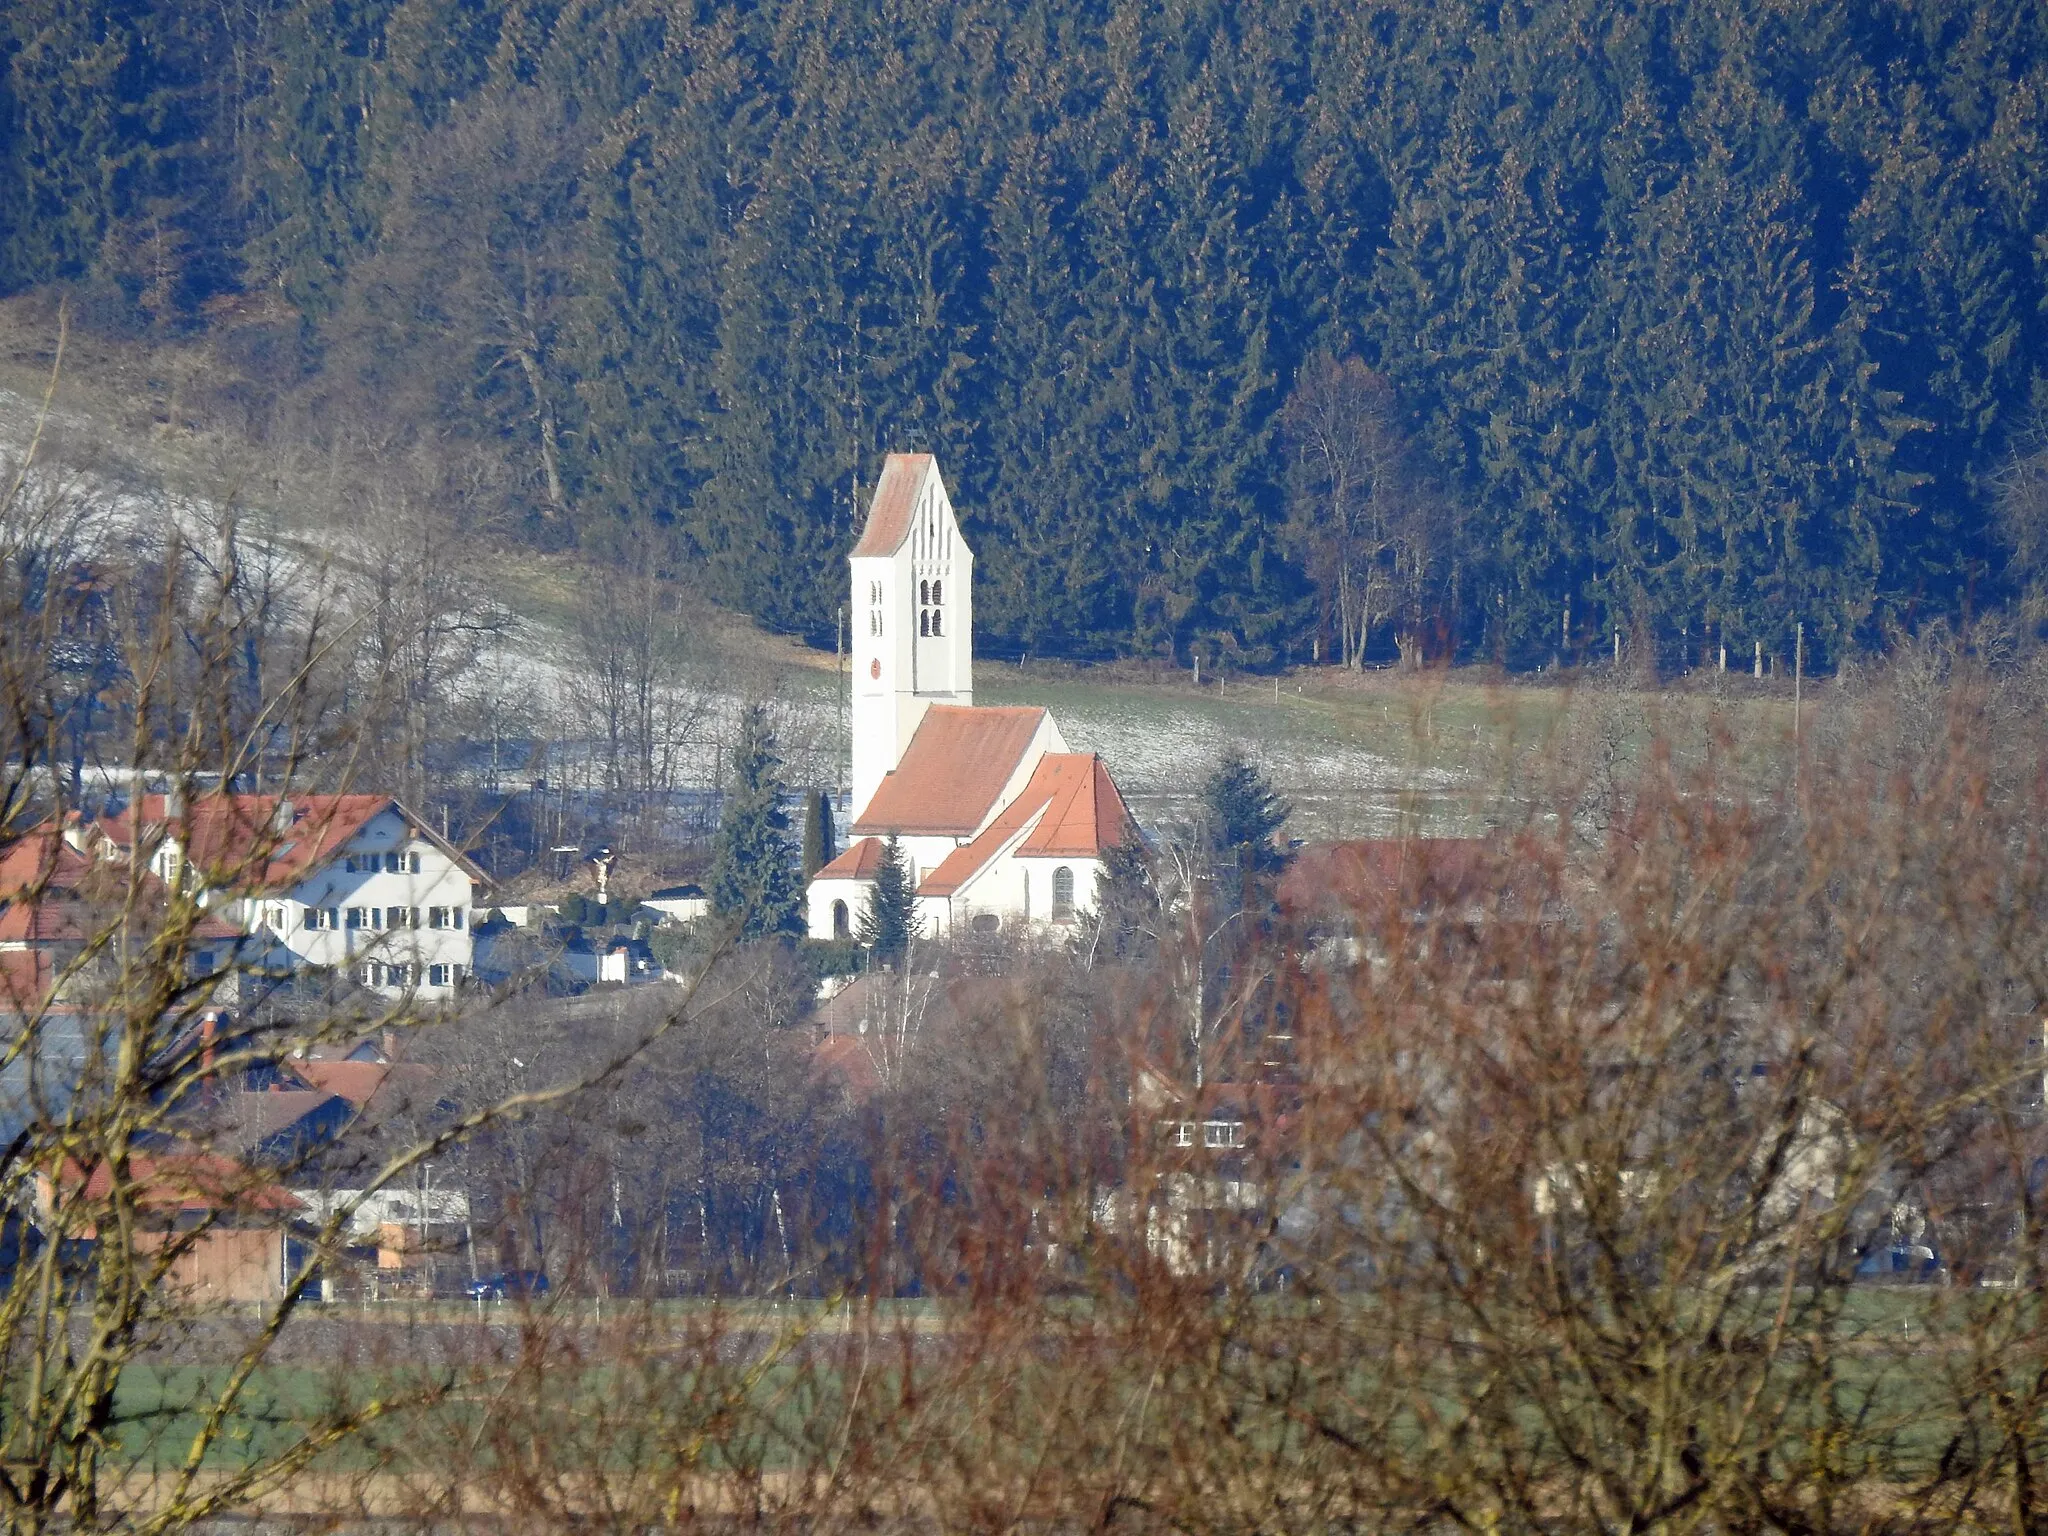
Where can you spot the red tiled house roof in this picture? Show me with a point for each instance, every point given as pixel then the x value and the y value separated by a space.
pixel 42 863
pixel 175 1182
pixel 952 773
pixel 257 842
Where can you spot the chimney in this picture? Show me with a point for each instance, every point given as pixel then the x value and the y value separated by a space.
pixel 209 1025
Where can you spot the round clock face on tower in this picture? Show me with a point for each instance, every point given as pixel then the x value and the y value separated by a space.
pixel 875 669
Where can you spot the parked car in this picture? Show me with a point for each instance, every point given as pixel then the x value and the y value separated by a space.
pixel 513 1282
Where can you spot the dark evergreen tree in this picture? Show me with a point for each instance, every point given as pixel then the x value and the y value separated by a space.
pixel 754 885
pixel 886 926
pixel 1713 318
pixel 818 850
pixel 1127 908
pixel 1244 815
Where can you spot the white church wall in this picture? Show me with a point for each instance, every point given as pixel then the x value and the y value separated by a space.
pixel 823 895
pixel 898 673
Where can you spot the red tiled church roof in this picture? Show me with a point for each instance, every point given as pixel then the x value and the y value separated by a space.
pixel 858 862
pixel 953 771
pixel 895 499
pixel 1084 817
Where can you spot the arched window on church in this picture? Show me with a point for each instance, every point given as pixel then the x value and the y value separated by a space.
pixel 938 597
pixel 924 591
pixel 1062 894
pixel 924 621
pixel 842 927
pixel 935 621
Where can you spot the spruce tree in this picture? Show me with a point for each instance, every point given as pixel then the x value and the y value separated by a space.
pixel 885 927
pixel 1244 815
pixel 754 882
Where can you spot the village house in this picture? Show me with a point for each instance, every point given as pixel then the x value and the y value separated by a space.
pixel 348 883
pixel 1000 823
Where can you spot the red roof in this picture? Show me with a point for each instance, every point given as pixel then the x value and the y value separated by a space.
pixel 953 771
pixel 26 977
pixel 41 863
pixel 356 1081
pixel 45 922
pixel 894 500
pixel 1084 817
pixel 846 1059
pixel 260 841
pixel 187 1181
pixel 858 862
pixel 1376 877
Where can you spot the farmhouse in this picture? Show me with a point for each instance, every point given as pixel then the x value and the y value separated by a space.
pixel 999 823
pixel 338 882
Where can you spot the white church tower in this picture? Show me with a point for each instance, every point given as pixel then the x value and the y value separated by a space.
pixel 912 616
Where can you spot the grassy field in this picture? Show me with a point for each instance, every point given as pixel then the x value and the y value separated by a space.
pixel 1359 756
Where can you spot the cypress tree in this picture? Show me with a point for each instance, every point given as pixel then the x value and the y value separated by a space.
pixel 754 883
pixel 818 850
pixel 886 926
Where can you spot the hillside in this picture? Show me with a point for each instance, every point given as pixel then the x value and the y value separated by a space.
pixel 1356 754
pixel 1318 330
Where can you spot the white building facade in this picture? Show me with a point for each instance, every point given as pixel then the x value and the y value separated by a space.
pixel 353 883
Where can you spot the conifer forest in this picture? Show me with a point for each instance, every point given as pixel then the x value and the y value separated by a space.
pixel 1447 329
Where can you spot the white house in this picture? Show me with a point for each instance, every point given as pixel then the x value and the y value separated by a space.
pixel 679 903
pixel 998 821
pixel 354 882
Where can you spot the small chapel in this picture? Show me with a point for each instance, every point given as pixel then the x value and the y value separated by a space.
pixel 1001 825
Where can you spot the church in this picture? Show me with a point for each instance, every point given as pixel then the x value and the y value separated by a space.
pixel 1001 825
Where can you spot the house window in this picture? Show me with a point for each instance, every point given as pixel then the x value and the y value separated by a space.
pixel 842 926
pixel 1183 1133
pixel 393 863
pixel 372 974
pixel 357 916
pixel 400 974
pixel 413 862
pixel 1062 894
pixel 455 913
pixel 323 917
pixel 437 975
pixel 348 864
pixel 202 962
pixel 1222 1133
